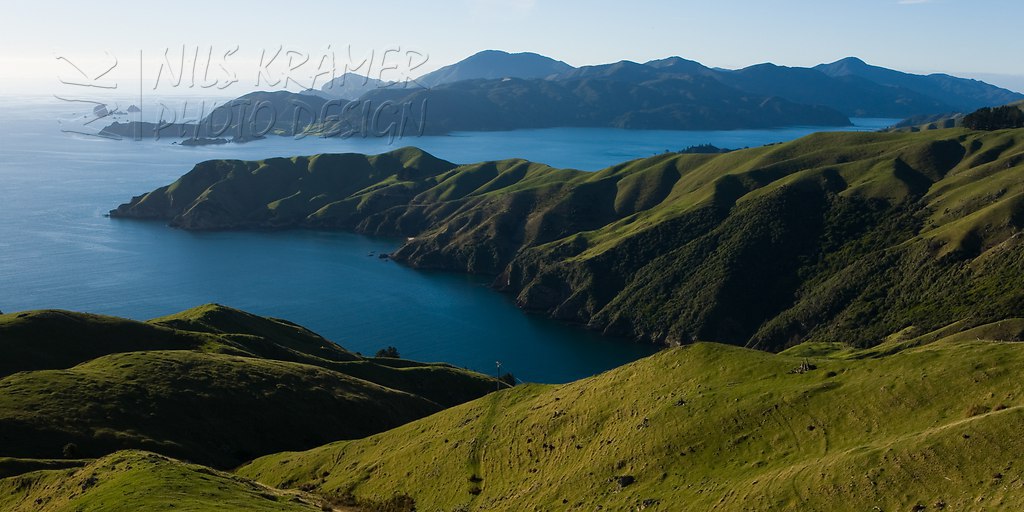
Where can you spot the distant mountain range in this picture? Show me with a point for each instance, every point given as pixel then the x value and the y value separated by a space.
pixel 850 85
pixel 496 90
pixel 683 102
pixel 961 94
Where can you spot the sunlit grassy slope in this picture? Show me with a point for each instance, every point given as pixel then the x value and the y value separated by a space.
pixel 930 422
pixel 212 384
pixel 140 481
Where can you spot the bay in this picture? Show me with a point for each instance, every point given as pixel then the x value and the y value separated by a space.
pixel 58 250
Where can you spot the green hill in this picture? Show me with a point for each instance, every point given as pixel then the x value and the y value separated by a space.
pixel 37 340
pixel 943 121
pixel 929 122
pixel 137 481
pixel 703 427
pixel 922 424
pixel 834 237
pixel 212 385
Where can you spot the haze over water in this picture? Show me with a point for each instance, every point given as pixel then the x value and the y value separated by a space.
pixel 57 250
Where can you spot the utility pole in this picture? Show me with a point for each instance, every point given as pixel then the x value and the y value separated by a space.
pixel 497 375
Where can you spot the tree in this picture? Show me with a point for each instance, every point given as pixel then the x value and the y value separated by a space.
pixel 509 379
pixel 1000 118
pixel 70 451
pixel 391 352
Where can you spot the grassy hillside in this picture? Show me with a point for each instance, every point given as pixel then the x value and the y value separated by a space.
pixel 834 237
pixel 939 121
pixel 713 427
pixel 929 122
pixel 10 466
pixel 211 384
pixel 136 481
pixel 36 340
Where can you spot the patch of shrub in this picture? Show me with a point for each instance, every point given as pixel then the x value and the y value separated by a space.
pixel 397 503
pixel 391 352
pixel 977 410
pixel 70 451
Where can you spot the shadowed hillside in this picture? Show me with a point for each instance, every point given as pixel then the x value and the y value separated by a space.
pixel 960 93
pixel 212 384
pixel 668 103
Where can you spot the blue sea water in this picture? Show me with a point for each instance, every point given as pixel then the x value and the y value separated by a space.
pixel 58 250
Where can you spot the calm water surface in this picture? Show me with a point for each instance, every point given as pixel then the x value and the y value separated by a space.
pixel 57 250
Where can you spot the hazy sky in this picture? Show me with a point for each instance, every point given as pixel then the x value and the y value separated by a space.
pixel 957 36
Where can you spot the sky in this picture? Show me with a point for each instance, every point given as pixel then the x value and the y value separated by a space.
pixel 46 42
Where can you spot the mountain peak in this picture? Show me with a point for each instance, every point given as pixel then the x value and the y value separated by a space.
pixel 851 61
pixel 494 64
pixel 669 61
pixel 673 61
pixel 350 85
pixel 960 94
pixel 499 54
pixel 846 66
pixel 412 156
